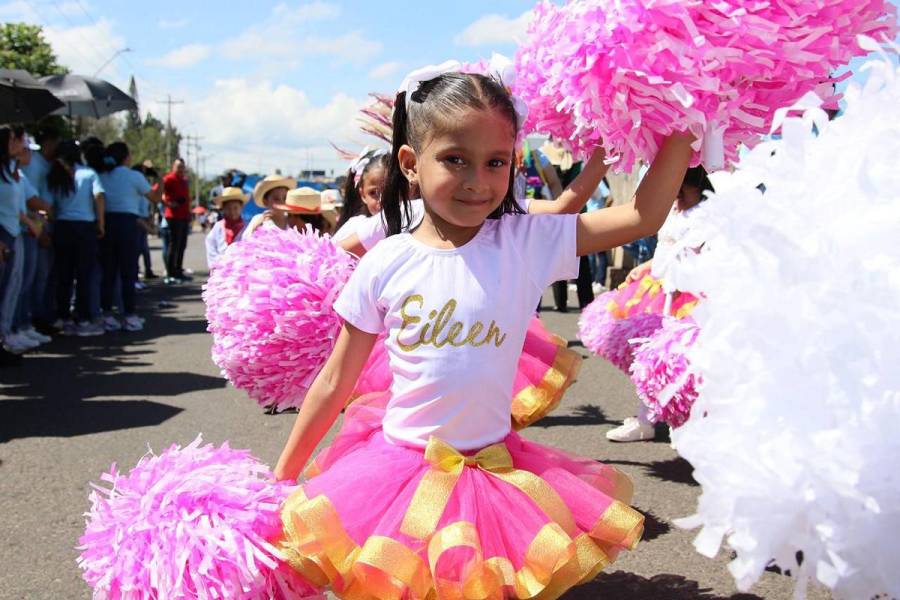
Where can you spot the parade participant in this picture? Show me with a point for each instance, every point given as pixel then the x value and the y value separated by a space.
pixel 385 487
pixel 362 191
pixel 125 192
pixel 227 230
pixel 303 206
pixel 78 204
pixel 267 192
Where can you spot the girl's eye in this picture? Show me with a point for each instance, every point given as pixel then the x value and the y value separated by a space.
pixel 453 160
pixel 497 163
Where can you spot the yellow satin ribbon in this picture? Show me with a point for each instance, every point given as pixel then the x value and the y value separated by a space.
pixel 434 490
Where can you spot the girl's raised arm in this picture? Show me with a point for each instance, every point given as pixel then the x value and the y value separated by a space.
pixel 604 229
pixel 327 396
pixel 577 194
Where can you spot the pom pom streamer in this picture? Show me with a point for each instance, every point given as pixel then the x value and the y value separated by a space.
pixel 661 371
pixel 796 449
pixel 193 522
pixel 610 337
pixel 626 74
pixel 269 307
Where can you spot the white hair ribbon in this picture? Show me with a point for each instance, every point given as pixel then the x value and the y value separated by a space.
pixel 362 161
pixel 411 82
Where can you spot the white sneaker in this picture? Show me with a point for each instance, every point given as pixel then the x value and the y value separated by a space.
pixel 133 323
pixel 88 329
pixel 17 343
pixel 110 323
pixel 597 288
pixel 140 285
pixel 632 430
pixel 34 334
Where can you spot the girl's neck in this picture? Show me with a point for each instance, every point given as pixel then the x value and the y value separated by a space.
pixel 436 232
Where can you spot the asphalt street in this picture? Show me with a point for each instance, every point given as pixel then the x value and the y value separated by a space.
pixel 78 405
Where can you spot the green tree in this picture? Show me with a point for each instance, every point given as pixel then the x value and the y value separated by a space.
pixel 23 46
pixel 147 141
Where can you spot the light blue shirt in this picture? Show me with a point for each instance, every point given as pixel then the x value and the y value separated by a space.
pixel 37 172
pixel 79 205
pixel 124 189
pixel 12 204
pixel 144 208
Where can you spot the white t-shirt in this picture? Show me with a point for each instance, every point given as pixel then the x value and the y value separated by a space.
pixel 677 244
pixel 372 230
pixel 350 227
pixel 455 322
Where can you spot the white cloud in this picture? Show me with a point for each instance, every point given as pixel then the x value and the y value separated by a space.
pixel 494 29
pixel 385 70
pixel 261 126
pixel 85 48
pixel 185 56
pixel 173 23
pixel 288 35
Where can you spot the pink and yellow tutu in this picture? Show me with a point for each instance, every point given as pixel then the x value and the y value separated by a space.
pixel 515 520
pixel 546 369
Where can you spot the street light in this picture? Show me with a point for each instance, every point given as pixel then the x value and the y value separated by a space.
pixel 112 58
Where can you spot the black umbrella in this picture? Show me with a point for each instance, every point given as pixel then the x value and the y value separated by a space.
pixel 23 98
pixel 88 96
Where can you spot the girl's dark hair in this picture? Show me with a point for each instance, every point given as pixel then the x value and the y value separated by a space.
pixel 95 154
pixel 698 178
pixel 61 180
pixel 8 132
pixel 353 202
pixel 434 107
pixel 116 153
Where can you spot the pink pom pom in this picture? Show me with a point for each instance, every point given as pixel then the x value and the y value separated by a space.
pixel 662 372
pixel 608 337
pixel 193 522
pixel 269 306
pixel 625 74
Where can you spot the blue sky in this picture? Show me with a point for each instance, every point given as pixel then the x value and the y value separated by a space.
pixel 268 84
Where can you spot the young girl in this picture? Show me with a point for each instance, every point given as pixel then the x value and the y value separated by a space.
pixel 78 203
pixel 227 230
pixel 432 495
pixel 304 206
pixel 125 191
pixel 268 192
pixel 362 191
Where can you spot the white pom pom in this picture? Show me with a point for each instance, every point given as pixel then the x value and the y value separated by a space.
pixel 799 350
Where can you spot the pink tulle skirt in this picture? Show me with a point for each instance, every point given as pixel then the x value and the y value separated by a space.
pixel 546 369
pixel 515 520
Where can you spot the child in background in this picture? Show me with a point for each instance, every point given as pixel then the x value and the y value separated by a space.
pixel 362 191
pixel 426 491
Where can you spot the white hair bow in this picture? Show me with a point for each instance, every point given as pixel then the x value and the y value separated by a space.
pixel 365 157
pixel 411 82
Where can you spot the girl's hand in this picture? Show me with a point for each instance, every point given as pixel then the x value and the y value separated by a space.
pixel 638 272
pixel 101 230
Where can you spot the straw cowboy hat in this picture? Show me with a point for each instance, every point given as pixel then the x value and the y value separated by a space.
pixel 271 182
pixel 307 201
pixel 229 194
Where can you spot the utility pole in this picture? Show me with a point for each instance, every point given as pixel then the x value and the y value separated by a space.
pixel 192 144
pixel 169 102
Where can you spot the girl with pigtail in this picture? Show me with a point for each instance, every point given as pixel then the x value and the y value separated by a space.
pixel 362 191
pixel 426 491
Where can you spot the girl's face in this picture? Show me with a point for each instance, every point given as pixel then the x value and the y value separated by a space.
pixel 371 187
pixel 275 196
pixel 463 173
pixel 232 210
pixel 16 144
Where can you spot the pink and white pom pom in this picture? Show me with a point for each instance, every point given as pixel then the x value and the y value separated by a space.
pixel 626 74
pixel 609 337
pixel 662 373
pixel 193 522
pixel 269 307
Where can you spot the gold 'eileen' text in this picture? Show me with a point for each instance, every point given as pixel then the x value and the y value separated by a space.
pixel 440 329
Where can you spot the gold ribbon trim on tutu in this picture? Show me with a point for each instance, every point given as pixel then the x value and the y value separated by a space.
pixel 619 525
pixel 535 402
pixel 447 463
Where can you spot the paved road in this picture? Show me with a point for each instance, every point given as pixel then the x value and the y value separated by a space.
pixel 80 404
